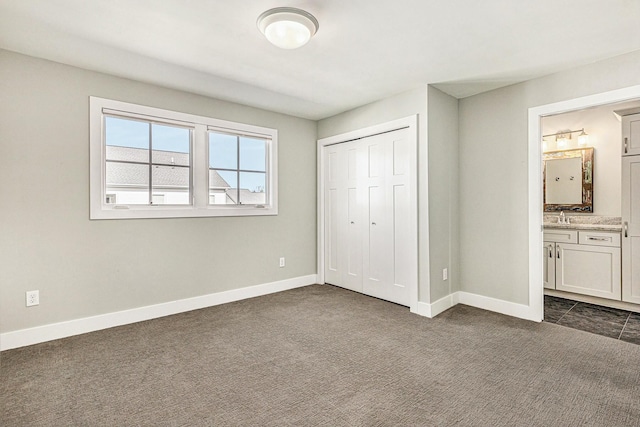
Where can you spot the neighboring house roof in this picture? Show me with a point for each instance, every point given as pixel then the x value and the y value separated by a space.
pixel 135 175
pixel 246 197
pixel 216 181
pixel 129 154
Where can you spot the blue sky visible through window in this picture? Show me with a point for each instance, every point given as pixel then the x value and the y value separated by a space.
pixel 223 154
pixel 135 134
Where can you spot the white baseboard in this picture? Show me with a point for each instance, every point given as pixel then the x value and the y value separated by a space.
pixel 486 303
pixel 39 334
pixel 432 310
pixel 499 306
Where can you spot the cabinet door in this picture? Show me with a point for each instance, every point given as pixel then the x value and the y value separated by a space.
pixel 631 229
pixel 549 263
pixel 588 270
pixel 631 135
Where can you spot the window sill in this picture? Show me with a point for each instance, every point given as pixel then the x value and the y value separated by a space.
pixel 140 212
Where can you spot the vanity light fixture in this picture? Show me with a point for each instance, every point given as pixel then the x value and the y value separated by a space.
pixel 287 27
pixel 583 138
pixel 563 138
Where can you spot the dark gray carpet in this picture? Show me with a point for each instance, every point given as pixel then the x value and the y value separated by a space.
pixel 324 356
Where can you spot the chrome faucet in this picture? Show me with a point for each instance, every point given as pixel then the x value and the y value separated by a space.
pixel 563 219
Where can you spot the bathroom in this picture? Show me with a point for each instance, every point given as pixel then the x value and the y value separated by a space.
pixel 588 189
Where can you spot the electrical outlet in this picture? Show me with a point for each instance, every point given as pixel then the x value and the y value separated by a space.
pixel 445 274
pixel 281 262
pixel 33 298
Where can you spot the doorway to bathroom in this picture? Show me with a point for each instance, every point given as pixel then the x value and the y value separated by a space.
pixel 555 132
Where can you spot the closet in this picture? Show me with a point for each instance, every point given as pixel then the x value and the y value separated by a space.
pixel 368 221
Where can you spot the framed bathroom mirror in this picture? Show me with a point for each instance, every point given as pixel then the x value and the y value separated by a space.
pixel 568 180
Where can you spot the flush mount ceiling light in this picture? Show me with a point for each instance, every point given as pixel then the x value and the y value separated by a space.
pixel 287 27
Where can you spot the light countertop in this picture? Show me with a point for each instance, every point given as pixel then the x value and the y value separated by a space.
pixel 584 222
pixel 592 227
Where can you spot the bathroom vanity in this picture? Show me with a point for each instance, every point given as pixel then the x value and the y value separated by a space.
pixel 583 258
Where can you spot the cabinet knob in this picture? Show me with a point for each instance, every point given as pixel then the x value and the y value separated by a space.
pixel 373 223
pixel 626 145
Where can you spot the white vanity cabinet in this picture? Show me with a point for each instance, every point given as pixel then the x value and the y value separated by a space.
pixel 584 262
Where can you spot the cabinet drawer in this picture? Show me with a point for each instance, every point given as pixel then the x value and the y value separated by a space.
pixel 560 236
pixel 599 238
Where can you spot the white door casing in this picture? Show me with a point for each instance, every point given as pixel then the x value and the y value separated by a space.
pixel 536 295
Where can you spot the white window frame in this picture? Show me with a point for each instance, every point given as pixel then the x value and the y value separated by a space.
pixel 200 207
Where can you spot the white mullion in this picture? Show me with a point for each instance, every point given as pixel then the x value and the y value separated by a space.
pixel 200 167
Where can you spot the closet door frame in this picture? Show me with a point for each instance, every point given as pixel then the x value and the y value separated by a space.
pixel 410 122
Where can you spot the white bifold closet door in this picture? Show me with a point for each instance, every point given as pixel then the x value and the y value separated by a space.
pixel 367 215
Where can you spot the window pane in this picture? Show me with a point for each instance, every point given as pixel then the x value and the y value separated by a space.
pixel 252 188
pixel 126 133
pixel 231 178
pixel 228 183
pixel 223 151
pixel 171 145
pixel 253 154
pixel 126 140
pixel 218 187
pixel 128 183
pixel 172 183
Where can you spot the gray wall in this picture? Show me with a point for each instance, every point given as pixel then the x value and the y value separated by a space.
pixel 441 158
pixel 85 268
pixel 442 129
pixel 493 172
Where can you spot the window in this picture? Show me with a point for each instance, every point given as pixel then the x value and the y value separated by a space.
pixel 143 157
pixel 237 166
pixel 151 163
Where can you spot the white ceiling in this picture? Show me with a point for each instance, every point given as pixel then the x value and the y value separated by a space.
pixel 364 50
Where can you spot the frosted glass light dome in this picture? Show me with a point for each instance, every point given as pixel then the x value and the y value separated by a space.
pixel 287 27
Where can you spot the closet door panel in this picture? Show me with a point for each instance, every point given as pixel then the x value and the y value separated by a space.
pixel 398 182
pixel 375 243
pixel 401 252
pixel 332 211
pixel 332 240
pixel 343 241
pixel 353 273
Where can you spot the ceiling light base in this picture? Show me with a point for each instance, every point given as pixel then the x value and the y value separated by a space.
pixel 287 27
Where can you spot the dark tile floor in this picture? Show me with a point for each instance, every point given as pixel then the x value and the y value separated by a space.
pixel 610 322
